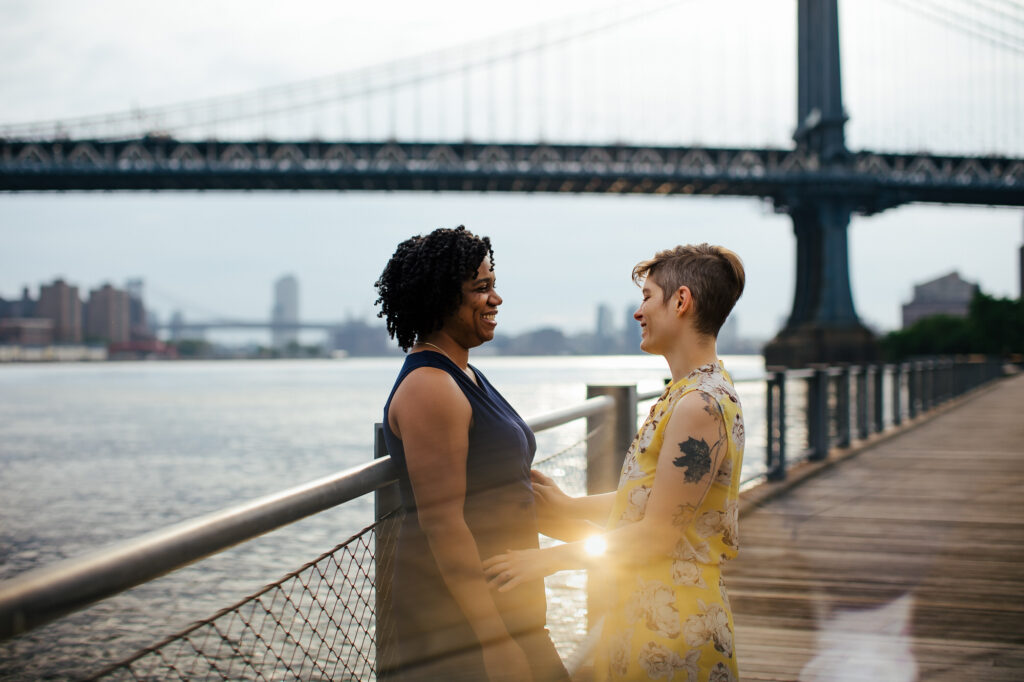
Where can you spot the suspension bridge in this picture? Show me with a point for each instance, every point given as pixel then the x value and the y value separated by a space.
pixel 639 101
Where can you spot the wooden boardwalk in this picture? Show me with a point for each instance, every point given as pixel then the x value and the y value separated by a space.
pixel 902 561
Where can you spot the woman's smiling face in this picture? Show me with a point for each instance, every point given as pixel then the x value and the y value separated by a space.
pixel 473 323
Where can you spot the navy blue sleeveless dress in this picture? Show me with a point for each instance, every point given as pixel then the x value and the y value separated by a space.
pixel 434 640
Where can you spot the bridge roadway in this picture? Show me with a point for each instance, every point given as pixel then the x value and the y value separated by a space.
pixel 866 181
pixel 918 537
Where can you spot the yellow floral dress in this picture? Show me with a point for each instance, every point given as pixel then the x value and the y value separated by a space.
pixel 671 619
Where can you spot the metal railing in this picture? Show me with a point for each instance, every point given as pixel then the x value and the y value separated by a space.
pixel 324 620
pixel 853 402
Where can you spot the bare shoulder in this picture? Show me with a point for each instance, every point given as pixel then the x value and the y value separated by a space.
pixel 697 408
pixel 695 436
pixel 428 395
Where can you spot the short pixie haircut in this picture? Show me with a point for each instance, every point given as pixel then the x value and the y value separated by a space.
pixel 714 275
pixel 422 283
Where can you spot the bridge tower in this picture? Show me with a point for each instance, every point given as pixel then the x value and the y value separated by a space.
pixel 823 325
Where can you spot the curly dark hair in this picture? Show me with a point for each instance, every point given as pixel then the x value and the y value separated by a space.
pixel 422 283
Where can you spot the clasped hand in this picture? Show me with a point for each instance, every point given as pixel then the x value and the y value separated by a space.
pixel 516 566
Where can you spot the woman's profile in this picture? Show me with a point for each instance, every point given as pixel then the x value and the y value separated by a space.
pixel 463 456
pixel 672 522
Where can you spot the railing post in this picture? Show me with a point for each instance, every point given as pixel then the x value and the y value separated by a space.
pixel 927 385
pixel 775 442
pixel 843 408
pixel 607 449
pixel 897 394
pixel 879 395
pixel 385 500
pixel 862 402
pixel 817 412
pixel 913 386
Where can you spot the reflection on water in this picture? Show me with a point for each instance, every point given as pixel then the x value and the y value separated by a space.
pixel 92 454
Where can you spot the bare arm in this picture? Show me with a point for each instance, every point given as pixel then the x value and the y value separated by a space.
pixel 432 417
pixel 694 446
pixel 552 502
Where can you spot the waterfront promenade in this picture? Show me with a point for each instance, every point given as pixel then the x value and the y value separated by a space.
pixel 902 560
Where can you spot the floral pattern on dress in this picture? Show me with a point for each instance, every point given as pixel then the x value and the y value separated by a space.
pixel 618 652
pixel 724 474
pixel 724 521
pixel 646 435
pixel 658 662
pixel 725 595
pixel 631 470
pixel 636 507
pixel 711 624
pixel 686 563
pixel 654 604
pixel 720 673
pixel 738 432
pixel 670 618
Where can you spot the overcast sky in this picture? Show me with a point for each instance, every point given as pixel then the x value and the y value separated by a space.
pixel 557 257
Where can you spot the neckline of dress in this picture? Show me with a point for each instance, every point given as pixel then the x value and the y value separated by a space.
pixel 713 365
pixel 474 380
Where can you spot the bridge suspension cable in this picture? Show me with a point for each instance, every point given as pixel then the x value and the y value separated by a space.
pixel 990 29
pixel 340 87
pixel 918 75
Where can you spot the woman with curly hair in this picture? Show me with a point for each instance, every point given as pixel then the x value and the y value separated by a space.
pixel 671 524
pixel 463 456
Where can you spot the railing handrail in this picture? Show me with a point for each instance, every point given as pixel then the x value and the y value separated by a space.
pixel 44 594
pixel 41 595
pixel 587 408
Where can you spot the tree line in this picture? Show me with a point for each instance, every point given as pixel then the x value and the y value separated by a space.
pixel 993 326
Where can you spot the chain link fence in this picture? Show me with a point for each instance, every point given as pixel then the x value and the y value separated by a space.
pixel 316 623
pixel 320 621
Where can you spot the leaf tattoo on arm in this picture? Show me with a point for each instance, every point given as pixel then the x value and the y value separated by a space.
pixel 697 455
pixel 696 459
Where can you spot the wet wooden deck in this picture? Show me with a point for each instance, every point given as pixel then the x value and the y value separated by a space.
pixel 902 561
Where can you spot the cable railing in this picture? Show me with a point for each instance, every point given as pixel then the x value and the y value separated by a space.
pixel 327 619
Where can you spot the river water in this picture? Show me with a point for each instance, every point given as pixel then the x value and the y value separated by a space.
pixel 91 454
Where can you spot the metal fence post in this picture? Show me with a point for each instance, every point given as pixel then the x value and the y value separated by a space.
pixel 843 408
pixel 607 448
pixel 879 395
pixel 862 402
pixel 775 425
pixel 897 395
pixel 913 386
pixel 817 412
pixel 927 385
pixel 385 501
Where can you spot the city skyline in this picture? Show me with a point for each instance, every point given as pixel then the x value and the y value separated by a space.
pixel 339 258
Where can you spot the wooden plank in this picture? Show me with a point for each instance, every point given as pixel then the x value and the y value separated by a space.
pixel 917 541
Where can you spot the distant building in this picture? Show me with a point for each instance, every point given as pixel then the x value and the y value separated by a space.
pixel 605 324
pixel 177 326
pixel 108 315
pixel 631 330
pixel 947 295
pixel 285 311
pixel 138 321
pixel 23 307
pixel 729 335
pixel 357 338
pixel 605 338
pixel 26 331
pixel 59 302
